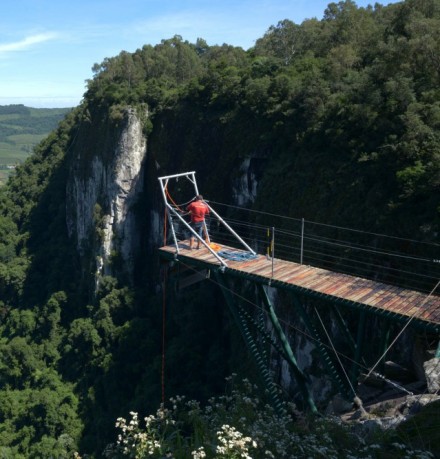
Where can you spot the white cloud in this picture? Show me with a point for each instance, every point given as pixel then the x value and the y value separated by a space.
pixel 26 43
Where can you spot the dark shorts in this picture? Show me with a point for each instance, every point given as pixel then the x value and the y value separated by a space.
pixel 197 227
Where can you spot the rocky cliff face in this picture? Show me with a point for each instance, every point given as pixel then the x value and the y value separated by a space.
pixel 244 189
pixel 104 183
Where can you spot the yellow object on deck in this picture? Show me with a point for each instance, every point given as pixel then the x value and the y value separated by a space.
pixel 215 246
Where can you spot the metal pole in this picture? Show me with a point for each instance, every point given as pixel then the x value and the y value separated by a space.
pixel 163 187
pixel 176 175
pixel 302 241
pixel 193 181
pixel 268 244
pixel 272 245
pixel 231 230
pixel 173 232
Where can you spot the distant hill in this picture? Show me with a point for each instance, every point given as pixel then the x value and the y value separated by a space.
pixel 21 128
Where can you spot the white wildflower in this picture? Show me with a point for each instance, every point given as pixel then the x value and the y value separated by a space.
pixel 199 453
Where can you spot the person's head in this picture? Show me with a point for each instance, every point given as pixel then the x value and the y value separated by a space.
pixel 199 197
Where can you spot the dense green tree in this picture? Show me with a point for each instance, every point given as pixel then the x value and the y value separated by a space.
pixel 342 116
pixel 40 421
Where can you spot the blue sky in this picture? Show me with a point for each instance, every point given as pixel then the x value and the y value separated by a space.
pixel 48 47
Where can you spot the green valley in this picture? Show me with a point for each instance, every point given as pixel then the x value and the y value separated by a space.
pixel 21 129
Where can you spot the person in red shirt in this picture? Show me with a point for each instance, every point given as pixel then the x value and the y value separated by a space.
pixel 197 209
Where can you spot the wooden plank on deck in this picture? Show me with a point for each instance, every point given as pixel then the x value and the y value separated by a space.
pixel 358 291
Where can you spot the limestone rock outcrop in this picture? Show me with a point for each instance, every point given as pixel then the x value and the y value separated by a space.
pixel 104 184
pixel 432 375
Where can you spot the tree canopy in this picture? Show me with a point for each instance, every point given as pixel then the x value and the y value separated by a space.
pixel 344 114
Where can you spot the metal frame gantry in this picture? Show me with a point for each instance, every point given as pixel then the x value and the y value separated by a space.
pixel 191 176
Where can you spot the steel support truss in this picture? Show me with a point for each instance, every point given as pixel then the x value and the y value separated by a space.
pixel 248 326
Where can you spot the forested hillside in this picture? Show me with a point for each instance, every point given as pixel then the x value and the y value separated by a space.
pixel 340 120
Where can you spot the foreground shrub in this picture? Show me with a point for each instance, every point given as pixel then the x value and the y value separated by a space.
pixel 240 425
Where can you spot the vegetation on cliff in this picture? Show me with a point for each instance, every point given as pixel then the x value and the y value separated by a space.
pixel 343 115
pixel 238 425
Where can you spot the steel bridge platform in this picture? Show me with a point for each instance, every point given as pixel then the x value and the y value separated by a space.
pixel 389 301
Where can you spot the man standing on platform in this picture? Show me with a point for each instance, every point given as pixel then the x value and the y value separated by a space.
pixel 198 209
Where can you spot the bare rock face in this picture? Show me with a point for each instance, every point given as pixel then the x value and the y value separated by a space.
pixel 105 183
pixel 245 187
pixel 432 374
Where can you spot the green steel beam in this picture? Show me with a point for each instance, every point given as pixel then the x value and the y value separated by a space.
pixel 260 326
pixel 300 377
pixel 250 342
pixel 326 358
pixel 437 353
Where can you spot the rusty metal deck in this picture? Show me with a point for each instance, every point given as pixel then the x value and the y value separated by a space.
pixel 355 291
